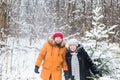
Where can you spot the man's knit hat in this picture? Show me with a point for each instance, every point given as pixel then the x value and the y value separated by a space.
pixel 72 41
pixel 58 34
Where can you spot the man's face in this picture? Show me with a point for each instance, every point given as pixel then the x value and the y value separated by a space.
pixel 73 47
pixel 58 40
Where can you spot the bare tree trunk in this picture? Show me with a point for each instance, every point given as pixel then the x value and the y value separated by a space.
pixel 2 19
pixel 104 11
pixel 0 72
pixel 18 17
pixel 68 12
pixel 112 19
pixel 57 6
pixel 91 13
pixel 2 14
pixel 74 8
pixel 119 23
pixel 67 16
pixel 84 18
pixel 119 39
pixel 73 18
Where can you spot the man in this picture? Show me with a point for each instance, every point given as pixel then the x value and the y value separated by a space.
pixel 53 56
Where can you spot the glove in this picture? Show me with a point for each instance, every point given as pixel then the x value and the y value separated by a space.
pixel 36 69
pixel 66 78
pixel 96 77
pixel 100 73
pixel 72 78
pixel 66 74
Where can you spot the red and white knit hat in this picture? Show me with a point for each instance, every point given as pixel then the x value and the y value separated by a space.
pixel 58 34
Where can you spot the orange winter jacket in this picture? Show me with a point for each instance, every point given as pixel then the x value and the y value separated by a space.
pixel 53 58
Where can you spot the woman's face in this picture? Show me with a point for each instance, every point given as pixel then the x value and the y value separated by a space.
pixel 73 47
pixel 58 40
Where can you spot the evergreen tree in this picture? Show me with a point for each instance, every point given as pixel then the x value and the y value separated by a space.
pixel 97 39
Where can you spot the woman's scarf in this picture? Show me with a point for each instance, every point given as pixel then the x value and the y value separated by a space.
pixel 75 66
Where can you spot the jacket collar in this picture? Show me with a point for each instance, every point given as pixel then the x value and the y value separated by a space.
pixel 53 43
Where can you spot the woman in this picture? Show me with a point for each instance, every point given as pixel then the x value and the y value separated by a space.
pixel 52 55
pixel 78 61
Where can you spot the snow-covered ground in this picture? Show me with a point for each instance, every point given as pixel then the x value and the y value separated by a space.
pixel 17 60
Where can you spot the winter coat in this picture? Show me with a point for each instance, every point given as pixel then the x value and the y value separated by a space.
pixel 85 63
pixel 53 58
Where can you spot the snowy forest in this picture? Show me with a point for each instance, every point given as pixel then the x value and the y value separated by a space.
pixel 26 24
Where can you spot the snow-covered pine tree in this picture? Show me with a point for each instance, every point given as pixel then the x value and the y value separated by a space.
pixel 100 32
pixel 97 39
